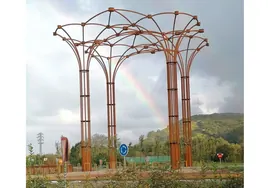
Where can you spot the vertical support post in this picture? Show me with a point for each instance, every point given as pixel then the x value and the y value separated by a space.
pixel 186 120
pixel 85 120
pixel 187 124
pixel 173 114
pixel 189 121
pixel 111 116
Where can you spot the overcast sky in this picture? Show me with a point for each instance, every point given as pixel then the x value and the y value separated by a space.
pixel 141 96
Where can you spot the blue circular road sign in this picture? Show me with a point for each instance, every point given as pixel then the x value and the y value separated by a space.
pixel 123 150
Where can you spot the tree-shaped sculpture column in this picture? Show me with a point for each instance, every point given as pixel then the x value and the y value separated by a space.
pixel 185 66
pixel 110 66
pixel 78 47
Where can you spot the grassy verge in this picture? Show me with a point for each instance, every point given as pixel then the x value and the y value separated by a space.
pixel 145 177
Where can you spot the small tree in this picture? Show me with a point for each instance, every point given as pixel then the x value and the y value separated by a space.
pixel 31 152
pixel 141 140
pixel 157 145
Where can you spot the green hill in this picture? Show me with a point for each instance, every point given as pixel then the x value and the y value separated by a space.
pixel 229 126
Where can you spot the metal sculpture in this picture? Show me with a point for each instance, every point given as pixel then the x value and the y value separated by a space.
pixel 136 39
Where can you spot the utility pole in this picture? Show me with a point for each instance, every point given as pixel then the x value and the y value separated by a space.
pixel 58 148
pixel 40 139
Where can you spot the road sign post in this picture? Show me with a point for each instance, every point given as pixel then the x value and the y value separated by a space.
pixel 123 150
pixel 220 155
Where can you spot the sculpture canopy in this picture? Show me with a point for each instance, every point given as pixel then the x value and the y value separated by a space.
pixel 131 33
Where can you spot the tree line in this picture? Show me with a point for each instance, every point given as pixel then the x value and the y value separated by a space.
pixel 212 134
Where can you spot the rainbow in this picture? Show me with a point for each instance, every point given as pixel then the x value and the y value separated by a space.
pixel 143 95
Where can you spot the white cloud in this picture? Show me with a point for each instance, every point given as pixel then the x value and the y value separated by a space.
pixel 209 93
pixel 69 117
pixel 127 136
pixel 153 78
